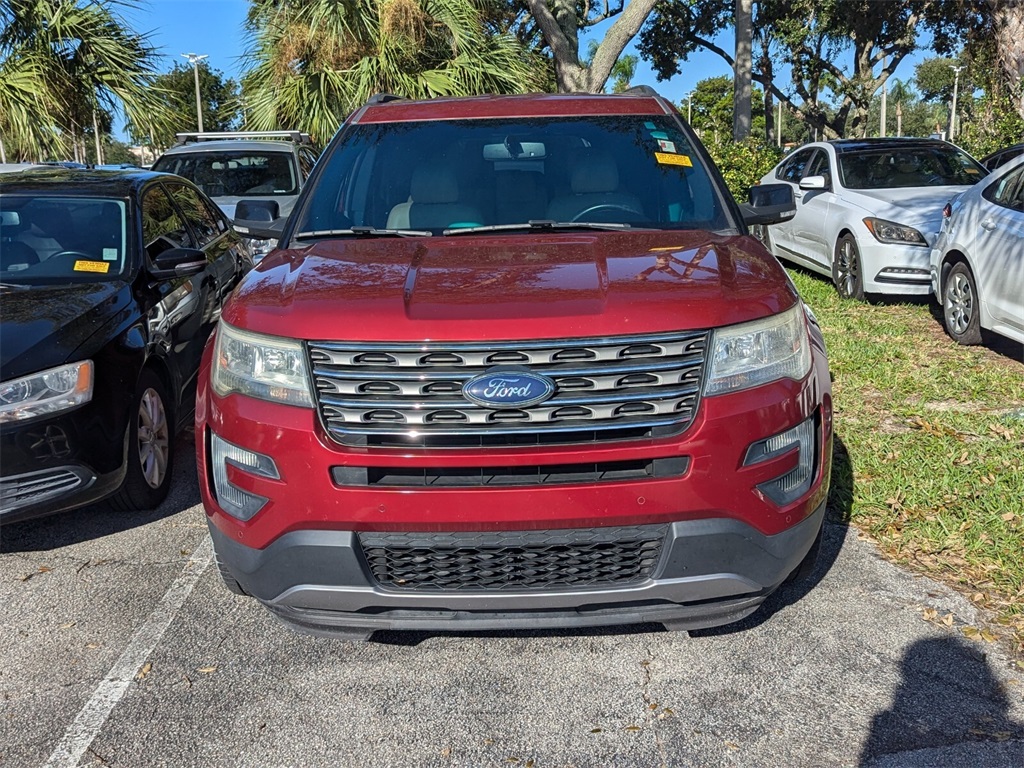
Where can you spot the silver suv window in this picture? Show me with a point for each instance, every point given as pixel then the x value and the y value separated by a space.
pixel 235 173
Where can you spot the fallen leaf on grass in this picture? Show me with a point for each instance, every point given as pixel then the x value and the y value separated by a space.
pixel 146 669
pixel 1008 516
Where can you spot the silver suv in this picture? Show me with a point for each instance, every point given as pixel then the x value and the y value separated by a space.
pixel 250 165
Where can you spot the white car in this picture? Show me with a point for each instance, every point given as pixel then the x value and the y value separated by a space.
pixel 869 210
pixel 977 264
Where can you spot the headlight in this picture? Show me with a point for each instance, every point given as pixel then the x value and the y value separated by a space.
pixel 891 232
pixel 265 367
pixel 756 353
pixel 47 392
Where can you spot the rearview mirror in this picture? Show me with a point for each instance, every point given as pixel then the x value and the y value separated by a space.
pixel 769 204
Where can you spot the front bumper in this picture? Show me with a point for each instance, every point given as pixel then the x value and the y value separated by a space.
pixel 60 463
pixel 710 572
pixel 895 269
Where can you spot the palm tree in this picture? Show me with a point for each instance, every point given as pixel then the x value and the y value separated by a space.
pixel 63 61
pixel 314 62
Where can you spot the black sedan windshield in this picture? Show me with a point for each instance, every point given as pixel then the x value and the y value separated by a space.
pixel 441 176
pixel 46 238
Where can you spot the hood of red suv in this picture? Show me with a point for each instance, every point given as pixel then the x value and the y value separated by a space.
pixel 553 285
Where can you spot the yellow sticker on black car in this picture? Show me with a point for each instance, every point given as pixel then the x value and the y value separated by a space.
pixel 666 158
pixel 92 266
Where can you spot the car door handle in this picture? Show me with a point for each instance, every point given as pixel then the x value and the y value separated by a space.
pixel 988 224
pixel 798 195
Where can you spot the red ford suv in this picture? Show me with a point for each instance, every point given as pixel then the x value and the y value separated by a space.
pixel 517 363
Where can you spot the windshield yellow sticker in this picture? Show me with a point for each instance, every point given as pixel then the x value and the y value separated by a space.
pixel 668 159
pixel 92 266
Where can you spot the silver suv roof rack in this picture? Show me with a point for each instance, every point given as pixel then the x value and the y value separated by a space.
pixel 297 136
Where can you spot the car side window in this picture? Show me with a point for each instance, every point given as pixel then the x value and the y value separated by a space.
pixel 162 226
pixel 198 215
pixel 1008 192
pixel 793 170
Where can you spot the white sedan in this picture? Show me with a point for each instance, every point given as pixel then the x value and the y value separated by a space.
pixel 869 210
pixel 977 264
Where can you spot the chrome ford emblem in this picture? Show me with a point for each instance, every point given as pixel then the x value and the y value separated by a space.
pixel 508 389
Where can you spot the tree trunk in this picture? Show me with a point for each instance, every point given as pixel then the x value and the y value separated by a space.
pixel 561 31
pixel 96 135
pixel 1008 24
pixel 742 71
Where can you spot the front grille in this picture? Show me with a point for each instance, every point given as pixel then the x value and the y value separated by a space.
pixel 513 560
pixel 520 475
pixel 605 389
pixel 32 487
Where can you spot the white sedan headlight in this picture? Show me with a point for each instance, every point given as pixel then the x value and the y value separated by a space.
pixel 892 232
pixel 46 392
pixel 264 367
pixel 751 354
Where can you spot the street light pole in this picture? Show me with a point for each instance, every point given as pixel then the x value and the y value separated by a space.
pixel 194 59
pixel 689 107
pixel 952 115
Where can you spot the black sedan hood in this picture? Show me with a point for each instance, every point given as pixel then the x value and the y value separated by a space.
pixel 43 326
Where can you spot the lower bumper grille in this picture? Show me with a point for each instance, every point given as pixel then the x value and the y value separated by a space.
pixel 31 487
pixel 513 560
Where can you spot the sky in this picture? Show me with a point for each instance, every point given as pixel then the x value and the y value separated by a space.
pixel 215 28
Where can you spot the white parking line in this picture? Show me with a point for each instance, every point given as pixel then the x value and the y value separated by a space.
pixel 81 733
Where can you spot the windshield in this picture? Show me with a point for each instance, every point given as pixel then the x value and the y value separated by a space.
pixel 928 166
pixel 50 239
pixel 235 173
pixel 640 171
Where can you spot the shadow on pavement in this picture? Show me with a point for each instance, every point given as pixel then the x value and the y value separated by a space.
pixel 948 696
pixel 98 520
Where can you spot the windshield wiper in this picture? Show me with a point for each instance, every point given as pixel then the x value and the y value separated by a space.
pixel 362 232
pixel 540 224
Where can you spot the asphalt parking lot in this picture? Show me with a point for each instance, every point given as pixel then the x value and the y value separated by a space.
pixel 121 647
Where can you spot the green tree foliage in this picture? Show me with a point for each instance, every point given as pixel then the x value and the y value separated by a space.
pixel 220 100
pixel 742 163
pixel 64 62
pixel 314 62
pixel 814 36
pixel 711 107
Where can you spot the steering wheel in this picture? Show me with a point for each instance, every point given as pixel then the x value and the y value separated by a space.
pixel 609 206
pixel 80 254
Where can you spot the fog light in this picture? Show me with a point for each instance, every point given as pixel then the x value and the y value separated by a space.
pixel 789 487
pixel 235 501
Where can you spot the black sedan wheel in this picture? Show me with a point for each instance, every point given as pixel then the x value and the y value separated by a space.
pixel 960 310
pixel 150 455
pixel 846 269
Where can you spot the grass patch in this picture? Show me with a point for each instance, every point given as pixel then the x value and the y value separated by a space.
pixel 935 438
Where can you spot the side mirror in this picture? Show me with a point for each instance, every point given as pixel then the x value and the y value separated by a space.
pixel 178 262
pixel 769 204
pixel 260 230
pixel 257 210
pixel 813 183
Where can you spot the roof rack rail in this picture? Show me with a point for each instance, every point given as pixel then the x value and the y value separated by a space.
pixel 297 136
pixel 383 98
pixel 640 90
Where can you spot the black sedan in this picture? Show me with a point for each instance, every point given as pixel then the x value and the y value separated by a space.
pixel 110 283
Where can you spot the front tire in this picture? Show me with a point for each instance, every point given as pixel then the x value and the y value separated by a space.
pixel 150 454
pixel 961 311
pixel 847 272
